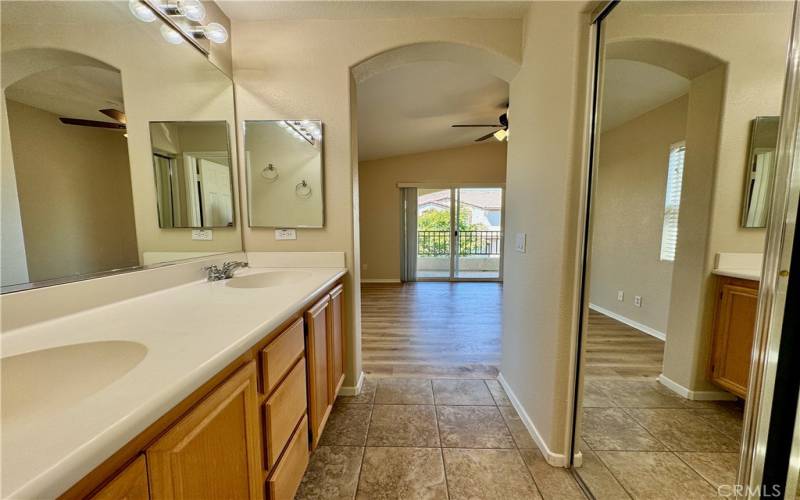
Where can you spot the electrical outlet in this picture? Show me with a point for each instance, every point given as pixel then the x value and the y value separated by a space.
pixel 520 243
pixel 202 234
pixel 637 301
pixel 620 295
pixel 285 234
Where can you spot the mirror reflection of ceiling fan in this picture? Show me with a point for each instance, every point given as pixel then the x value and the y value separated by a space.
pixel 501 134
pixel 114 114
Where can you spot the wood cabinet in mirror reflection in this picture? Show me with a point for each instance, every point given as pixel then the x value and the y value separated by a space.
pixel 733 331
pixel 245 434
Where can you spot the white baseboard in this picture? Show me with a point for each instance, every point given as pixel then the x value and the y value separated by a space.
pixel 375 280
pixel 633 324
pixel 694 395
pixel 353 390
pixel 554 459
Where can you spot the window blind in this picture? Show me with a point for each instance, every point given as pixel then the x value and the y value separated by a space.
pixel 672 201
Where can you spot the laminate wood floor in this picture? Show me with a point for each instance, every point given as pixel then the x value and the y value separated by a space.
pixel 431 330
pixel 615 350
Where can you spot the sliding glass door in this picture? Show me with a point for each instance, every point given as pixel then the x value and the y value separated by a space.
pixel 459 234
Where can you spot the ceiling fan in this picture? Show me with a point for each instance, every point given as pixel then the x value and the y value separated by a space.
pixel 499 134
pixel 114 114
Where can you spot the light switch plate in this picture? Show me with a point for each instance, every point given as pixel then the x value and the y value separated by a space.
pixel 637 300
pixel 202 234
pixel 620 295
pixel 520 243
pixel 285 234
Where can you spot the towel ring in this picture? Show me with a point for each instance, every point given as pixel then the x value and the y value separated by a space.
pixel 270 173
pixel 302 190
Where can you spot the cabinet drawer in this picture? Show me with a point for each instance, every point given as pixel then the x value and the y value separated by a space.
pixel 279 356
pixel 283 483
pixel 130 484
pixel 283 410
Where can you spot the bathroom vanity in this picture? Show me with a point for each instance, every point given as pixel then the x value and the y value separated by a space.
pixel 230 390
pixel 737 279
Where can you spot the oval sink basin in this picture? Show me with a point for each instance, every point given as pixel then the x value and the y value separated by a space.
pixel 268 279
pixel 50 379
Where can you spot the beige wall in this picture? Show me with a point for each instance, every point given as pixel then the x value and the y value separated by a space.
pixel 752 41
pixel 75 195
pixel 628 215
pixel 294 69
pixel 542 200
pixel 380 196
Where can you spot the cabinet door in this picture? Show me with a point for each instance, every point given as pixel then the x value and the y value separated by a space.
pixel 319 402
pixel 336 343
pixel 213 451
pixel 130 484
pixel 733 336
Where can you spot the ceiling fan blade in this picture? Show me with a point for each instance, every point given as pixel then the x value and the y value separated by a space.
pixel 479 139
pixel 115 114
pixel 495 126
pixel 91 123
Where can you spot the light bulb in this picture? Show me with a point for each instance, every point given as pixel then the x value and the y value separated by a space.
pixel 170 35
pixel 216 33
pixel 500 135
pixel 141 11
pixel 192 10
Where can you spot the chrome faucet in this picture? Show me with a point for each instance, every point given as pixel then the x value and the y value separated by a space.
pixel 216 273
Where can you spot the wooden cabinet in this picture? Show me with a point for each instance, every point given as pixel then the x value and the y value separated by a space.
pixel 130 484
pixel 212 452
pixel 336 342
pixel 319 400
pixel 734 327
pixel 285 479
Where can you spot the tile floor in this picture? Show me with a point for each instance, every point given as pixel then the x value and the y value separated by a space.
pixel 430 439
pixel 641 440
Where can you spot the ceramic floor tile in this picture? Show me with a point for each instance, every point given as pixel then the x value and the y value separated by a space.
pixel 640 394
pixel 717 468
pixel 347 426
pixel 498 393
pixel 332 474
pixel 556 483
pixel 488 474
pixel 594 397
pixel 656 475
pixel 404 391
pixel 600 481
pixel 461 392
pixel 403 425
pixel 682 430
pixel 727 420
pixel 366 396
pixel 473 427
pixel 613 429
pixel 408 473
pixel 519 432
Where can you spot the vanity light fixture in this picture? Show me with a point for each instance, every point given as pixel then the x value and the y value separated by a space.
pixel 141 11
pixel 303 130
pixel 171 35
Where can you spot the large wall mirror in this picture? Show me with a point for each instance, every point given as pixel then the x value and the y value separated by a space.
pixel 85 84
pixel 760 171
pixel 284 173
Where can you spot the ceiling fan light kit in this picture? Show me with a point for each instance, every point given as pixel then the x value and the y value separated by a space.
pixel 501 134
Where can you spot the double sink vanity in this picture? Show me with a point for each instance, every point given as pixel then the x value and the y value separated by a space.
pixel 205 389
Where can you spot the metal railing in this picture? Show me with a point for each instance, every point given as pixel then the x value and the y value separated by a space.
pixel 437 243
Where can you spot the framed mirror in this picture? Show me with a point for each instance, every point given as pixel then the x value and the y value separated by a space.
pixel 193 174
pixel 83 82
pixel 760 171
pixel 284 173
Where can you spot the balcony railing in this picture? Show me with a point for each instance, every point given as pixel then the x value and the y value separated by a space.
pixel 437 243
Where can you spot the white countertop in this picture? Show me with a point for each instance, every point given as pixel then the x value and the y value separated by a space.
pixel 191 332
pixel 742 273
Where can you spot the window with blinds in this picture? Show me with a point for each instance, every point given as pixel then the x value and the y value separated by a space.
pixel 672 201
